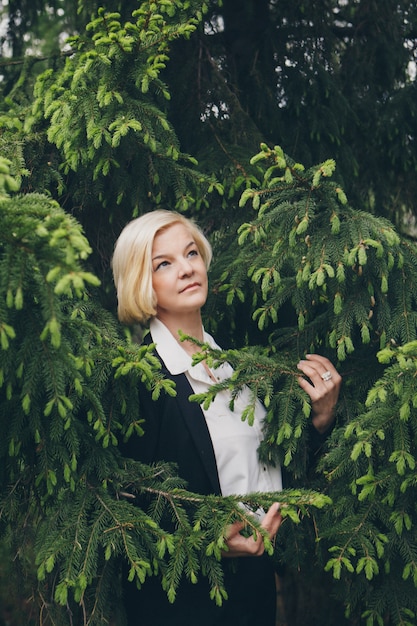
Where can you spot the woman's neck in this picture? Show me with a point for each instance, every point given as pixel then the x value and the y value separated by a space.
pixel 188 325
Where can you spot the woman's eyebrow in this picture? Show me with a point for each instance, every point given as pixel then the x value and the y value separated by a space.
pixel 162 255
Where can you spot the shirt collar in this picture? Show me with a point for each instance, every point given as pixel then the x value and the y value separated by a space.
pixel 173 355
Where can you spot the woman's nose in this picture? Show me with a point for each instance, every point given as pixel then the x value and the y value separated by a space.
pixel 185 268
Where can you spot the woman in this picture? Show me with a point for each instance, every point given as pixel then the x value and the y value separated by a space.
pixel 160 268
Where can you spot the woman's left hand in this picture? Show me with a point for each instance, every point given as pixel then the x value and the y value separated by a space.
pixel 323 389
pixel 239 545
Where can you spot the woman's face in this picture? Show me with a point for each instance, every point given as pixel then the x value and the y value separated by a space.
pixel 179 275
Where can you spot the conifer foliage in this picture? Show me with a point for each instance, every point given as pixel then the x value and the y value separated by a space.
pixel 68 396
pixel 106 109
pixel 348 282
pixel 297 270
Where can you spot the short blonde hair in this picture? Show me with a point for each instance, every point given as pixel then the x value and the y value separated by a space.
pixel 132 262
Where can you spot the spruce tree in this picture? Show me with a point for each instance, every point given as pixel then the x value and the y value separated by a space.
pixel 347 281
pixel 297 269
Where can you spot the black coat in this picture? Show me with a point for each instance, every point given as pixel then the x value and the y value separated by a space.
pixel 176 431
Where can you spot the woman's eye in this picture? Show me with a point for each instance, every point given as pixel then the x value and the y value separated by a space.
pixel 161 264
pixel 193 253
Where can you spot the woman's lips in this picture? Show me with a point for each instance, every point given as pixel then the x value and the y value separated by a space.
pixel 191 286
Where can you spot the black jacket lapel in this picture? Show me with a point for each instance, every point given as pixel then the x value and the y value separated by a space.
pixel 196 423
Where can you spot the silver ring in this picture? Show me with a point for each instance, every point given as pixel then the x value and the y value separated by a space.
pixel 326 376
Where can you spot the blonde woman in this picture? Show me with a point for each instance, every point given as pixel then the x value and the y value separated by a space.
pixel 160 268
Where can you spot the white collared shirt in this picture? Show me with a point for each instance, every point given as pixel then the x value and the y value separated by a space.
pixel 235 442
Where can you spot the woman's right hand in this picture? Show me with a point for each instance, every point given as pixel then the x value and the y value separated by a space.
pixel 239 545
